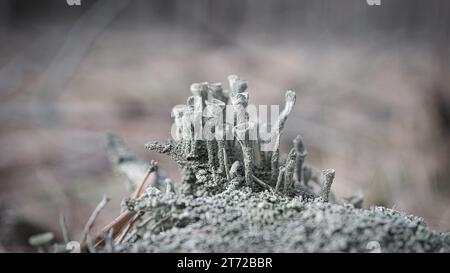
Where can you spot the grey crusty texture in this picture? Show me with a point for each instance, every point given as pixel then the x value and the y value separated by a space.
pixel 245 221
pixel 235 197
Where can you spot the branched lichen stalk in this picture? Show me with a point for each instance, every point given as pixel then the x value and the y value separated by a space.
pixel 278 129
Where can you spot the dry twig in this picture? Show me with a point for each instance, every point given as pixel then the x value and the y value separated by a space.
pixel 126 217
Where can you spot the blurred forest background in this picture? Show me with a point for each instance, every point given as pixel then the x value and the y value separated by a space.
pixel 372 84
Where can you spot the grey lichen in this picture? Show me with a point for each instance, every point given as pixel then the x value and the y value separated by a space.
pixel 247 221
pixel 248 206
pixel 242 131
pixel 278 129
pixel 326 180
pixel 300 157
pixel 227 202
pixel 211 156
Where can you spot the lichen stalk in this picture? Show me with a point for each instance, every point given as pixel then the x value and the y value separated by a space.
pixel 280 179
pixel 326 179
pixel 300 158
pixel 278 129
pixel 242 132
pixel 289 171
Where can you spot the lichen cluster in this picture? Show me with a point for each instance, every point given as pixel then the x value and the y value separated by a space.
pixel 234 197
pixel 210 166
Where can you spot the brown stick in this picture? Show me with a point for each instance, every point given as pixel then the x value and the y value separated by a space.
pixel 123 219
pixel 128 227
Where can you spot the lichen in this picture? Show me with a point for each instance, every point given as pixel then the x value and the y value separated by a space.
pixel 211 159
pixel 230 202
pixel 247 221
pixel 236 197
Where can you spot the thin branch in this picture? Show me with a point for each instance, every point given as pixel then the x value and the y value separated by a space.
pixel 128 227
pixel 143 185
pixel 93 217
pixel 262 183
pixel 119 223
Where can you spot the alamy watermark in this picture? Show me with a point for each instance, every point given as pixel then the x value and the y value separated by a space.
pixel 373 2
pixel 78 2
pixel 73 2
pixel 213 120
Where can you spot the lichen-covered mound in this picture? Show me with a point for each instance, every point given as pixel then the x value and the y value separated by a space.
pixel 245 221
pixel 236 197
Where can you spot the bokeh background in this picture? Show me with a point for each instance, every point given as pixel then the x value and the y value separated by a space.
pixel 372 84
